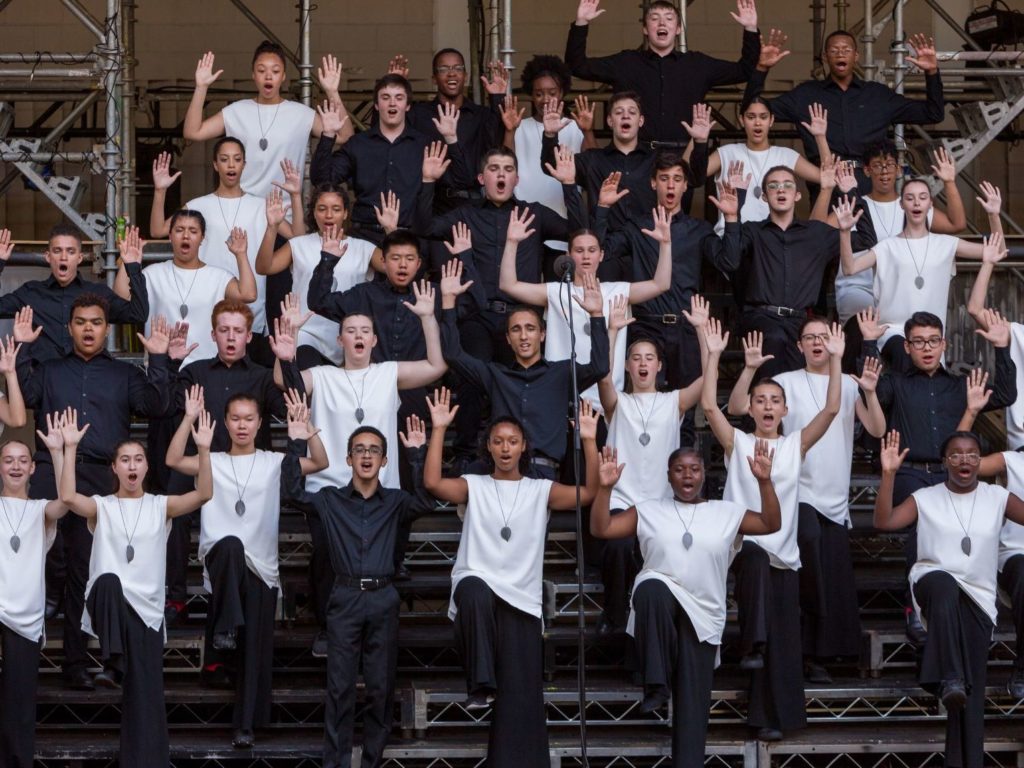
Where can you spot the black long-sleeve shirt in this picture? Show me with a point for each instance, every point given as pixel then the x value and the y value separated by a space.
pixel 858 116
pixel 488 224
pixel 926 409
pixel 220 382
pixel 634 256
pixel 539 395
pixel 361 532
pixel 668 85
pixel 51 308
pixel 370 165
pixel 105 392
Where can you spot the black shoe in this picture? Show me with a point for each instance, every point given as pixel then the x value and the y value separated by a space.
pixel 80 680
pixel 606 627
pixel 402 573
pixel 916 633
pixel 1015 685
pixel 224 641
pixel 816 673
pixel 320 645
pixel 752 661
pixel 107 678
pixel 769 734
pixel 479 700
pixel 953 695
pixel 655 699
pixel 52 608
pixel 216 678
pixel 243 739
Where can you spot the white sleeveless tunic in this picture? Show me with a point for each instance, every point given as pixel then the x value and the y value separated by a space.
pixel 513 569
pixel 143 579
pixel 23 573
pixel 286 126
pixel 645 475
pixel 741 487
pixel 1015 412
pixel 1011 537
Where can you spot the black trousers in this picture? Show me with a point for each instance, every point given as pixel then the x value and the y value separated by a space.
pixel 769 616
pixel 780 337
pixel 959 634
pixel 671 658
pixel 620 563
pixel 362 629
pixel 76 548
pixel 321 571
pixel 19 681
pixel 240 601
pixel 1011 580
pixel 136 653
pixel 829 614
pixel 502 651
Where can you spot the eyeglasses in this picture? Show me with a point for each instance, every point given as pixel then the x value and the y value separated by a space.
pixel 959 459
pixel 879 167
pixel 363 450
pixel 844 50
pixel 932 343
pixel 775 186
pixel 810 338
pixel 446 69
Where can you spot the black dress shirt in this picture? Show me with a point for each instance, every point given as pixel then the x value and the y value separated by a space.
pixel 539 396
pixel 51 308
pixel 668 85
pixel 361 532
pixel 220 382
pixel 488 224
pixel 370 165
pixel 105 392
pixel 631 255
pixel 858 116
pixel 926 409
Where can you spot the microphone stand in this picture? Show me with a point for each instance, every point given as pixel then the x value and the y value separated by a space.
pixel 581 674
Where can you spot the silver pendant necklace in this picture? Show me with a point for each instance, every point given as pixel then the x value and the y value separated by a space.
pixel 890 228
pixel 572 308
pixel 129 551
pixel 807 378
pixel 183 309
pixel 919 280
pixel 506 531
pixel 259 119
pixel 240 492
pixel 645 436
pixel 359 413
pixel 15 538
pixel 756 190
pixel 230 228
pixel 687 536
pixel 965 542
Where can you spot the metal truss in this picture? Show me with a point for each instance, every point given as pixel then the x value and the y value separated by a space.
pixel 888 650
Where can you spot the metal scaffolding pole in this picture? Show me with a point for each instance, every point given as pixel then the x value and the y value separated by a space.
pixel 506 35
pixel 127 87
pixel 899 48
pixel 111 150
pixel 305 53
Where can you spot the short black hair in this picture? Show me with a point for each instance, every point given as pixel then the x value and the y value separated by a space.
pixel 960 433
pixel 671 159
pixel 546 65
pixel 240 397
pixel 90 300
pixel 321 189
pixel 921 320
pixel 228 140
pixel 188 213
pixel 881 148
pixel 399 237
pixel 367 430
pixel 445 52
pixel 63 229
pixel 686 450
pixel 270 47
pixel 392 79
pixel 526 308
pixel 839 33
pixel 502 151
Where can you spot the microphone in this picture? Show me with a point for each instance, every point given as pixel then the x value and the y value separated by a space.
pixel 565 268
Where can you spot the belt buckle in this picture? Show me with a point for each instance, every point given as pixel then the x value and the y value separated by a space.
pixel 501 307
pixel 669 319
pixel 367 584
pixel 784 311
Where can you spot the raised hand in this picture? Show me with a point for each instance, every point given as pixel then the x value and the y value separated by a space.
pixel 519 225
pixel 762 460
pixel 593 300
pixel 131 247
pixel 868 379
pixel 892 457
pixel 292 183
pixel 511 113
pixel 447 122
pixel 159 339
pixel 991 198
pixel 846 177
pixel 772 49
pixel 727 201
pixel 700 311
pixel 618 313
pixel 588 420
pixel 714 338
pixel 451 279
pixel 609 471
pixel 195 402
pixel 69 430
pixel 423 291
pixel 435 161
pixel 300 425
pixel 993 248
pixel 977 390
pixel 818 124
pixel 734 175
pixel 610 194
pixel 870 328
pixel 845 216
pixel 53 439
pixel 552 117
pixel 283 343
pixel 387 214
pixel 998 328
pixel 828 171
pixel 399 65
pixel 944 166
pixel 583 113
pixel 495 82
pixel 202 433
pixel 291 308
pixel 462 240
pixel 23 331
pixel 329 74
pixel 332 240
pixel 662 229
pixel 587 11
pixel 205 76
pixel 746 15
pixel 6 244
pixel 415 435
pixel 275 208
pixel 8 354
pixel 926 60
pixel 238 243
pixel 564 170
pixel 702 123
pixel 752 355
pixel 178 347
pixel 835 344
pixel 331 117
pixel 162 178
pixel 442 414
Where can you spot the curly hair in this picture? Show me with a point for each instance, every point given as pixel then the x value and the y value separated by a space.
pixel 547 66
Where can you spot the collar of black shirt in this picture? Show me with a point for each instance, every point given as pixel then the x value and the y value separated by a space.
pixel 674 54
pixel 794 224
pixel 856 82
pixel 515 365
pixel 940 371
pixel 408 133
pixel 101 355
pixel 512 202
pixel 243 362
pixel 350 491
pixel 51 282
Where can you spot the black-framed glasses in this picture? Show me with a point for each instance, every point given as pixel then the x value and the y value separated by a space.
pixel 363 450
pixel 933 343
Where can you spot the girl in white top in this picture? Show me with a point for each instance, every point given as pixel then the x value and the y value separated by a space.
pixel 953 582
pixel 238 540
pixel 125 593
pixel 496 582
pixel 679 603
pixel 586 254
pixel 325 217
pixel 768 597
pixel 913 270
pixel 186 289
pixel 271 128
pixel 29 528
pixel 224 209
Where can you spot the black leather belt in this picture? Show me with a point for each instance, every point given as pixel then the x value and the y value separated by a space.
pixel 500 307
pixel 463 194
pixel 782 311
pixel 933 467
pixel 668 144
pixel 544 461
pixel 669 318
pixel 80 459
pixel 365 583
